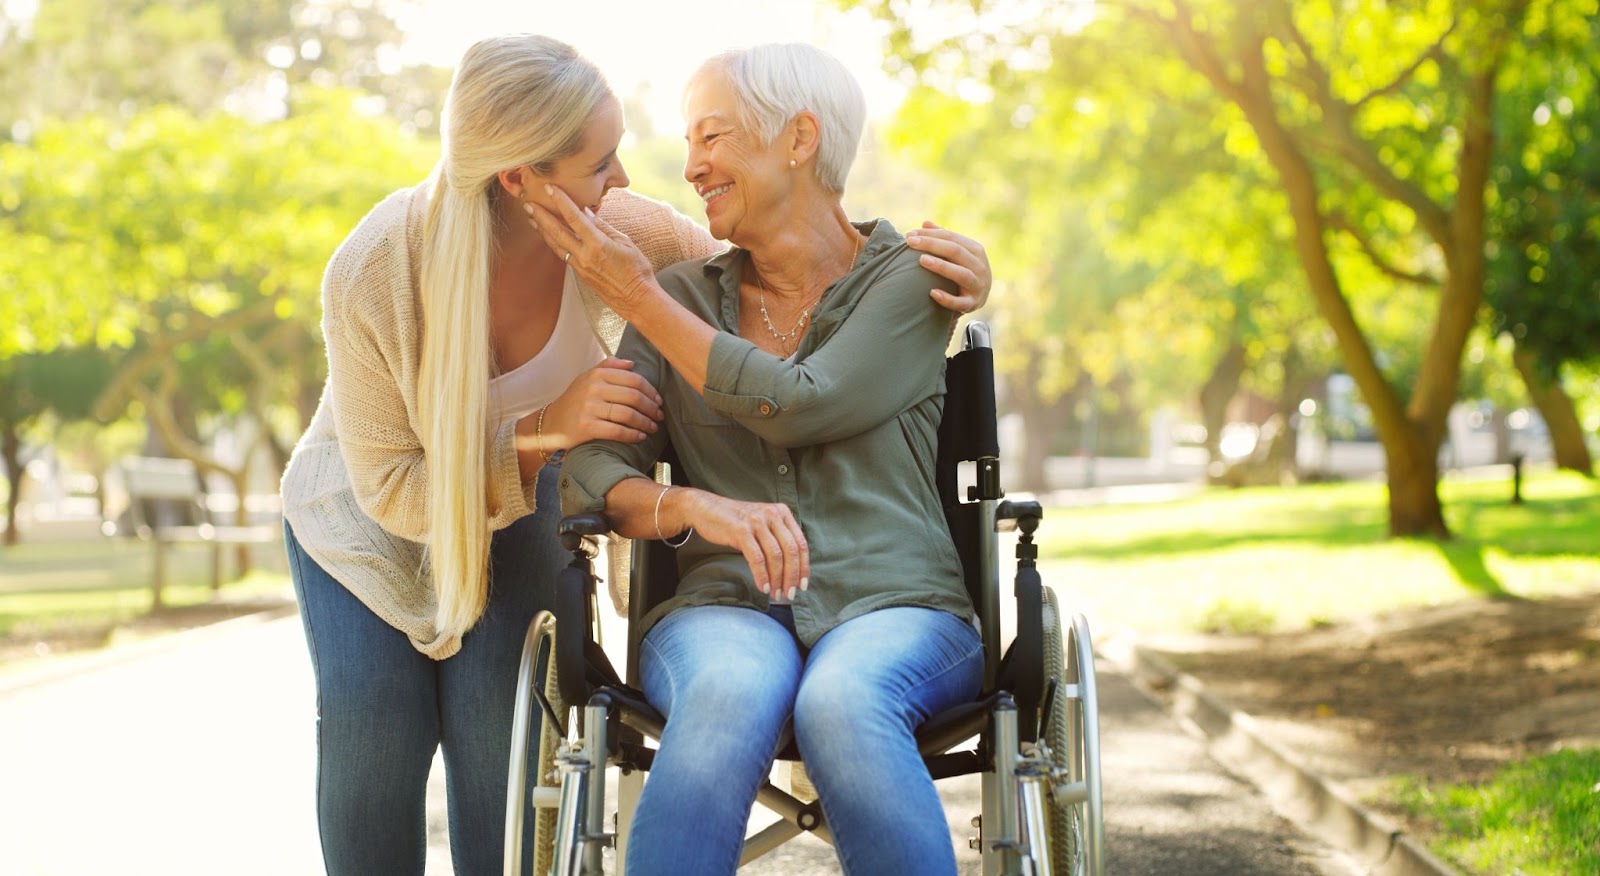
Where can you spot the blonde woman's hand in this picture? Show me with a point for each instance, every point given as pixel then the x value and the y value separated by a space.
pixel 766 533
pixel 607 402
pixel 604 258
pixel 957 258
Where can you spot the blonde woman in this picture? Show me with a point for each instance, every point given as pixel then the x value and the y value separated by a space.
pixel 464 357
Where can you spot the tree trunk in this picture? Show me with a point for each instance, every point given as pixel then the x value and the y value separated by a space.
pixel 11 450
pixel 1414 507
pixel 1218 390
pixel 1560 417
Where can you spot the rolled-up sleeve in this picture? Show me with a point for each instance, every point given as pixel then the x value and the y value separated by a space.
pixel 591 469
pixel 872 368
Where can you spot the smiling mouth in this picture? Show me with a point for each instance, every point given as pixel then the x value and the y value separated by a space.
pixel 710 195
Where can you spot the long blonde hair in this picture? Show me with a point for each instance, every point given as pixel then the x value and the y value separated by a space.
pixel 515 100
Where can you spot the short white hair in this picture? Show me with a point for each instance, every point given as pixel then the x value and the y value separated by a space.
pixel 774 82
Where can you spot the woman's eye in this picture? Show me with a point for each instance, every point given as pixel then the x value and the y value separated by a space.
pixel 710 137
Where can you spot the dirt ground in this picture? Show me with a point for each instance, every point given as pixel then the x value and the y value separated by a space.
pixel 1447 693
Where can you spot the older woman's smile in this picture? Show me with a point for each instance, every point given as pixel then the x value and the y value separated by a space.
pixel 710 194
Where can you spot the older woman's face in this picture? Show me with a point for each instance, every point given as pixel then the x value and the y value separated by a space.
pixel 739 179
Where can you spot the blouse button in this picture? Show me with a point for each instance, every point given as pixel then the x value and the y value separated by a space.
pixel 783 469
pixel 766 409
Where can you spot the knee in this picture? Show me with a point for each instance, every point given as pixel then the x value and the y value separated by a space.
pixel 717 692
pixel 837 705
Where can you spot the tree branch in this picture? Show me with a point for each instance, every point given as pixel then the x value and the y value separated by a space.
pixel 159 353
pixel 1340 115
pixel 1420 278
pixel 1434 52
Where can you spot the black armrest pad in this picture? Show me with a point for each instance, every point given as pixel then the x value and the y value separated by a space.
pixel 583 524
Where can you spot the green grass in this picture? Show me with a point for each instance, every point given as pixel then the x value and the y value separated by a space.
pixel 1538 817
pixel 94 585
pixel 1258 560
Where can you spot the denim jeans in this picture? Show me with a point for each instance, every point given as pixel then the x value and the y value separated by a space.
pixel 383 709
pixel 729 679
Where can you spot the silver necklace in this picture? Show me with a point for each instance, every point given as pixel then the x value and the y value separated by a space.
pixel 786 340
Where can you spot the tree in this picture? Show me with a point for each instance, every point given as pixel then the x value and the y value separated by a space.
pixel 1544 257
pixel 205 265
pixel 1378 123
pixel 62 382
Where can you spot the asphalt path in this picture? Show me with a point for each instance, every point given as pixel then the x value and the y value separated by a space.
pixel 193 755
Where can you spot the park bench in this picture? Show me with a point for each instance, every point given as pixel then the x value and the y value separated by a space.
pixel 168 506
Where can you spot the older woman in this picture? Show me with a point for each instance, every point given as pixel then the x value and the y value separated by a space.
pixel 802 377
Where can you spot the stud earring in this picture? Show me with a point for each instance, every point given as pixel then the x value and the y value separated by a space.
pixel 792 164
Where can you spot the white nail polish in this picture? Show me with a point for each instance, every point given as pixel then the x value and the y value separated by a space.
pixel 805 583
pixel 791 592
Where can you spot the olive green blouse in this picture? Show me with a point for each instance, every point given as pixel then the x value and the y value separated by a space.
pixel 844 433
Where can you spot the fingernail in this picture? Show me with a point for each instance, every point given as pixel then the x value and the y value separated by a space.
pixel 791 592
pixel 549 189
pixel 527 208
pixel 805 583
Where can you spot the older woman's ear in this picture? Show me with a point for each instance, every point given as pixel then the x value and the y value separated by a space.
pixel 805 137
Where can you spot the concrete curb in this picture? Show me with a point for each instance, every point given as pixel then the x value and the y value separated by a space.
pixel 1319 805
pixel 66 667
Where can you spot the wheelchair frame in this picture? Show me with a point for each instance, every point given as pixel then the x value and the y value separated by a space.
pixel 1036 720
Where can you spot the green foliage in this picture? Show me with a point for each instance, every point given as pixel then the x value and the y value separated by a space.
pixel 1544 260
pixel 113 232
pixel 1228 617
pixel 1540 816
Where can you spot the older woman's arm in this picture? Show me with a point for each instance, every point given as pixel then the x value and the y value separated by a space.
pixel 608 477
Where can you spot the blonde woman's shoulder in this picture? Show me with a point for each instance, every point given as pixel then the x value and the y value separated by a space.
pixel 381 246
pixel 664 235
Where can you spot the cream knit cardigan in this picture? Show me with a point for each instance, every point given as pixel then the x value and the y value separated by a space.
pixel 355 490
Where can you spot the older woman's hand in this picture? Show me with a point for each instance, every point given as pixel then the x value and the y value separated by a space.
pixel 767 534
pixel 605 259
pixel 957 258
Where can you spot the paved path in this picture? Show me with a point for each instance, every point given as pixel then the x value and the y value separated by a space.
pixel 194 756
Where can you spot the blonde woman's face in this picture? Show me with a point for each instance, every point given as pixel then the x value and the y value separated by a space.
pixel 596 168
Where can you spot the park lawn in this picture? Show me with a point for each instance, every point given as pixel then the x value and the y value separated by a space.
pixel 1278 559
pixel 1539 817
pixel 82 590
pixel 1275 559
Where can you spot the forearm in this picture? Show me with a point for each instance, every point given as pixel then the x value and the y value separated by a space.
pixel 531 452
pixel 641 508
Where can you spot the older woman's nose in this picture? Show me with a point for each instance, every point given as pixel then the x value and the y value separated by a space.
pixel 694 165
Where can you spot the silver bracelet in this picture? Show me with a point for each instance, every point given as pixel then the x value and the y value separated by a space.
pixel 659 496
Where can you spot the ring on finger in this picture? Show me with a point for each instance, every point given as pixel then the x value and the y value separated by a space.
pixel 567 257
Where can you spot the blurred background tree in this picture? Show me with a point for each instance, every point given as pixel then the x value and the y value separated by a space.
pixel 1217 137
pixel 170 190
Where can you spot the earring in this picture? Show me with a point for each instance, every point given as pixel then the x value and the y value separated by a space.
pixel 792 164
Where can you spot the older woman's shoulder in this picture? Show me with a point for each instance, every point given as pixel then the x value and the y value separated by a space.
pixel 664 235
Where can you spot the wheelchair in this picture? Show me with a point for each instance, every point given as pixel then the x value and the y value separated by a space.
pixel 1036 720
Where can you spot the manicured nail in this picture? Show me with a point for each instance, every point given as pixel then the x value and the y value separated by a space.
pixel 527 208
pixel 549 189
pixel 805 583
pixel 791 592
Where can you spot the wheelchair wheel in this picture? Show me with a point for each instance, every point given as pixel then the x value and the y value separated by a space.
pixel 1072 733
pixel 544 818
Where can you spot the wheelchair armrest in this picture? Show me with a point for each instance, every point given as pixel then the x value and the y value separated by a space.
pixel 574 528
pixel 1023 515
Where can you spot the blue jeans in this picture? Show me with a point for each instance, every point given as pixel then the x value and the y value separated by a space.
pixel 729 679
pixel 383 709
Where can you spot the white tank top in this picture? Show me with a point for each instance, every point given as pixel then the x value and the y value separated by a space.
pixel 571 350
